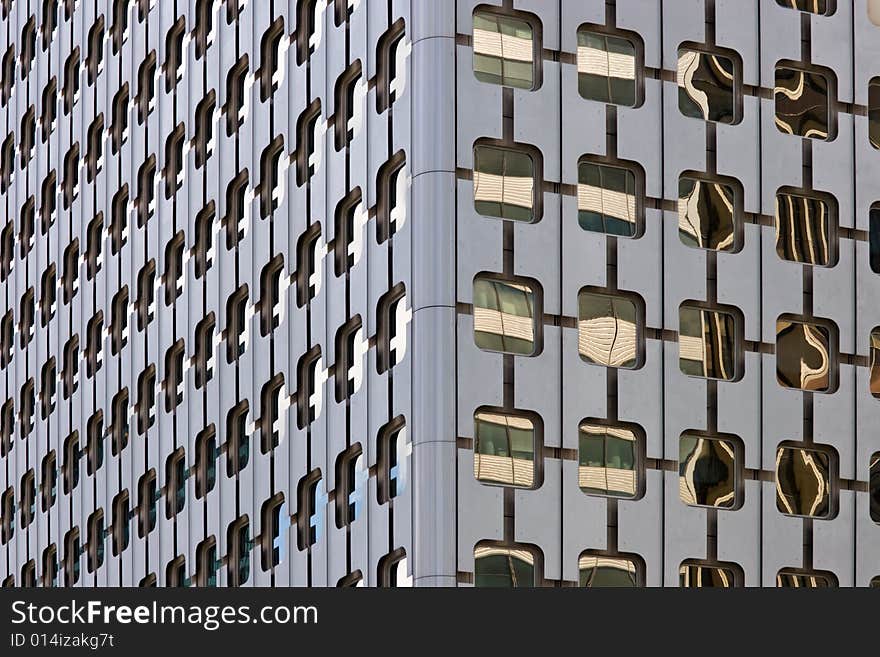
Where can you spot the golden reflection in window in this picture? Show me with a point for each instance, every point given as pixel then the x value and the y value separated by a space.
pixel 504 316
pixel 803 103
pixel 504 50
pixel 609 331
pixel 823 7
pixel 804 229
pixel 504 183
pixel 875 362
pixel 706 86
pixel 608 460
pixel 792 578
pixel 697 575
pixel 608 200
pixel 707 343
pixel 707 215
pixel 497 566
pixel 603 571
pixel 606 67
pixel 504 449
pixel 803 356
pixel 708 471
pixel 803 481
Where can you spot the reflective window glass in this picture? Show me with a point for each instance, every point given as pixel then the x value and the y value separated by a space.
pixel 803 481
pixel 874 486
pixel 803 106
pixel 803 356
pixel 875 362
pixel 503 567
pixel 608 200
pixel 874 107
pixel 504 50
pixel 606 67
pixel 504 448
pixel 823 7
pixel 792 578
pixel 874 238
pixel 608 460
pixel 600 571
pixel 504 183
pixel 804 229
pixel 695 575
pixel 505 316
pixel 706 86
pixel 707 215
pixel 609 330
pixel 708 471
pixel 707 343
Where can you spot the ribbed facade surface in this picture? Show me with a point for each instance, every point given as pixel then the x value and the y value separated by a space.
pixel 453 293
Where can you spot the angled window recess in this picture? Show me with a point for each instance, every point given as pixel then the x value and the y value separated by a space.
pixel 600 570
pixel 508 566
pixel 806 354
pixel 806 480
pixel 507 315
pixel 710 470
pixel 392 52
pixel 611 459
pixel 611 328
pixel 610 196
pixel 709 83
pixel 805 98
pixel 710 212
pixel 508 447
pixel 697 574
pixel 874 347
pixel 507 181
pixel 610 65
pixel 821 7
pixel 806 227
pixel 507 49
pixel 710 341
pixel 393 188
pixel 874 486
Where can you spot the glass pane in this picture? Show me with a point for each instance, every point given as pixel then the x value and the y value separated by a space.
pixel 706 86
pixel 504 183
pixel 607 199
pixel 606 68
pixel 813 6
pixel 803 482
pixel 504 316
pixel 874 108
pixel 706 215
pixel 607 460
pixel 503 50
pixel 597 571
pixel 803 229
pixel 874 486
pixel 707 471
pixel 802 103
pixel 803 357
pixel 501 567
pixel 699 576
pixel 504 449
pixel 793 579
pixel 874 239
pixel 707 343
pixel 608 333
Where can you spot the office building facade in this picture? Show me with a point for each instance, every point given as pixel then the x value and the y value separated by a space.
pixel 412 293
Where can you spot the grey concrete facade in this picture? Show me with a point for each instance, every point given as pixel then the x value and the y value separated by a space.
pixel 241 246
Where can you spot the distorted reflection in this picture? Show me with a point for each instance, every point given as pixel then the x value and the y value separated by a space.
pixel 803 229
pixel 504 316
pixel 504 183
pixel 874 238
pixel 802 103
pixel 707 343
pixel 813 6
pixel 503 567
pixel 803 356
pixel 600 571
pixel 707 471
pixel 608 330
pixel 874 486
pixel 791 578
pixel 803 482
pixel 706 86
pixel 606 67
pixel 706 215
pixel 875 362
pixel 607 461
pixel 607 198
pixel 504 449
pixel 503 50
pixel 695 575
pixel 874 111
